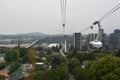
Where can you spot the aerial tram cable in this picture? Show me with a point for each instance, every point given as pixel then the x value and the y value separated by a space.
pixel 63 11
pixel 85 29
pixel 110 12
pixel 63 16
pixel 104 17
pixel 97 43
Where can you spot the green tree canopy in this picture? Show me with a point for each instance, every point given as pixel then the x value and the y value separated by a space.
pixel 73 63
pixel 86 56
pixel 106 68
pixel 49 52
pixel 79 73
pixel 72 52
pixel 14 67
pixel 2 77
pixel 23 52
pixel 12 55
pixel 59 73
pixel 2 65
pixel 31 56
pixel 63 72
pixel 118 53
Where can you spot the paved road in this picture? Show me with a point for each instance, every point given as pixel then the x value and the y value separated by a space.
pixel 61 51
pixel 71 77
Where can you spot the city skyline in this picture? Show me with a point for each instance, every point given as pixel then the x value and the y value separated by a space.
pixel 24 16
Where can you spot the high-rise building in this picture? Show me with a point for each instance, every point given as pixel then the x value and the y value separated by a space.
pixel 103 38
pixel 91 37
pixel 114 39
pixel 77 40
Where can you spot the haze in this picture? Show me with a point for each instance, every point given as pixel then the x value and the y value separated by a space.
pixel 23 16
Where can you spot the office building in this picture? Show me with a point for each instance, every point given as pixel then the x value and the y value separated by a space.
pixel 91 37
pixel 114 39
pixel 77 40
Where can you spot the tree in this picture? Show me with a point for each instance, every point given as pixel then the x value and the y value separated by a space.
pixel 85 56
pixel 57 49
pixel 12 55
pixel 2 77
pixel 31 56
pixel 72 52
pixel 14 67
pixel 118 53
pixel 2 65
pixel 58 73
pixel 24 59
pixel 106 68
pixel 73 63
pixel 41 54
pixel 3 50
pixel 39 75
pixel 40 48
pixel 52 74
pixel 56 61
pixel 62 71
pixel 49 52
pixel 79 73
pixel 23 52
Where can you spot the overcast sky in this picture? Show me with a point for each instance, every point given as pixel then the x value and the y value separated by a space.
pixel 22 16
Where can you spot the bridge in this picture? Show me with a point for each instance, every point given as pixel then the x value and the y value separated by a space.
pixel 32 44
pixel 26 45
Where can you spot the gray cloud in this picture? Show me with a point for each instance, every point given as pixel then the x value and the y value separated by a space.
pixel 21 16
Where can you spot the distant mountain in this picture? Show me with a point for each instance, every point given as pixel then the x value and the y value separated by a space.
pixel 60 35
pixel 32 33
pixel 36 34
